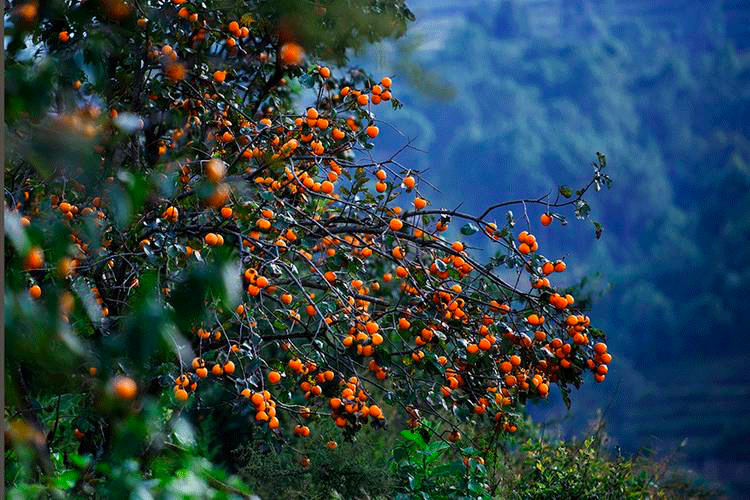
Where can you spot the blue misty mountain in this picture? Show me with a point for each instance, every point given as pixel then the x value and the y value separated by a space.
pixel 512 98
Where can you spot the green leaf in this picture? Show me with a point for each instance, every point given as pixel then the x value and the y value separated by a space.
pixel 414 482
pixel 67 479
pixel 80 461
pixel 601 159
pixel 597 230
pixel 475 486
pixel 469 229
pixel 414 437
pixel 307 81
pixel 565 391
pixel 566 191
pixel 437 446
pixel 582 210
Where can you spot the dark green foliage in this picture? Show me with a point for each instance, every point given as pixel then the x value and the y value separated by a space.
pixel 346 24
pixel 427 466
pixel 358 469
pixel 540 467
pixel 154 454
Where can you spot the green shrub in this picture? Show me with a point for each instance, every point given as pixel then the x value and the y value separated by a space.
pixel 354 469
pixel 430 467
pixel 535 466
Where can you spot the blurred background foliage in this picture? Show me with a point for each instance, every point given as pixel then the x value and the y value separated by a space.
pixel 508 96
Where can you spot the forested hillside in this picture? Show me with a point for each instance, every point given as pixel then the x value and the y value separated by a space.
pixel 499 87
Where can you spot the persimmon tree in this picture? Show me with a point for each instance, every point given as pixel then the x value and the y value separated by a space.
pixel 196 211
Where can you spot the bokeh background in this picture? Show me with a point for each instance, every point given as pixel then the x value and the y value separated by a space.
pixel 508 98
